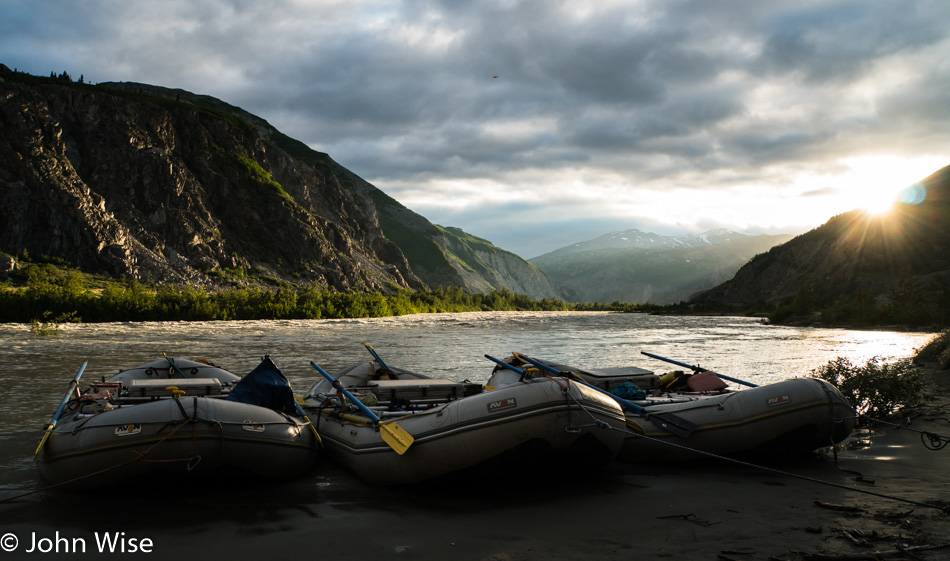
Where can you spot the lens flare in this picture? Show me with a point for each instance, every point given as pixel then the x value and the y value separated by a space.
pixel 913 195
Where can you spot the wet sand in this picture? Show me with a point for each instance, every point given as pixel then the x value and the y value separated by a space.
pixel 700 510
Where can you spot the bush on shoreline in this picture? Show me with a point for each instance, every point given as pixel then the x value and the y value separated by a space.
pixel 937 350
pixel 878 389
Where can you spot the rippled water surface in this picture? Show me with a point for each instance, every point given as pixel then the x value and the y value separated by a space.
pixel 36 370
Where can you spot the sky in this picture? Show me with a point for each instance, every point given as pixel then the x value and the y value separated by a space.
pixel 542 123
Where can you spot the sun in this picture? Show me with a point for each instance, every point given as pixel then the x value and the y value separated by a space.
pixel 876 183
pixel 880 200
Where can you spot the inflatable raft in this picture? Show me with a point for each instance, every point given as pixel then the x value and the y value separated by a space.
pixel 449 426
pixel 790 417
pixel 680 416
pixel 179 416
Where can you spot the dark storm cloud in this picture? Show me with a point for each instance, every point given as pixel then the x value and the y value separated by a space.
pixel 691 93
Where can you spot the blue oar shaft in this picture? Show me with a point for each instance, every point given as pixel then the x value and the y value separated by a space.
pixel 340 388
pixel 175 366
pixel 576 378
pixel 698 369
pixel 372 351
pixel 504 364
pixel 72 386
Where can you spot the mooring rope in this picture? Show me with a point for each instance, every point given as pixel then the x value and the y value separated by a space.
pixel 570 397
pixel 930 440
pixel 604 425
pixel 795 475
pixel 139 456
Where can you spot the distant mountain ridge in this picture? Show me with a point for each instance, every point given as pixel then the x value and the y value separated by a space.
pixel 159 184
pixel 638 239
pixel 644 267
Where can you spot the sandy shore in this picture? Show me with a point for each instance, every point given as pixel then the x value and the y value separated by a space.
pixel 706 510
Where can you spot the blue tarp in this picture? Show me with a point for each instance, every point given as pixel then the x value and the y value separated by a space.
pixel 265 386
pixel 628 390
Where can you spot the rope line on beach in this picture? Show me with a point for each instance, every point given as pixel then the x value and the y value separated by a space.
pixel 930 440
pixel 794 475
pixel 606 426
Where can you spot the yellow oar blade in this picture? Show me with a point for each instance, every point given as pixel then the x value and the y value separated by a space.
pixel 42 442
pixel 396 437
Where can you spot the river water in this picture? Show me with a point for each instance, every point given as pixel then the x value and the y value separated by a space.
pixel 330 514
pixel 37 369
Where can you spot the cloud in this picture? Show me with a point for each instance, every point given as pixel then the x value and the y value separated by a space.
pixel 690 113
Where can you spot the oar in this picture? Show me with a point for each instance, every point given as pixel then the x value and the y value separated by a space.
pixel 698 369
pixel 395 436
pixel 372 351
pixel 313 429
pixel 669 422
pixel 504 364
pixel 175 366
pixel 59 411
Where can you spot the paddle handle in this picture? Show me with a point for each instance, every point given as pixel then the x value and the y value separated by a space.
pixel 59 410
pixel 341 389
pixel 175 366
pixel 62 405
pixel 504 364
pixel 372 351
pixel 698 369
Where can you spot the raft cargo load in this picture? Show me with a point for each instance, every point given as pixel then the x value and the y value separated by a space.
pixel 178 416
pixel 448 426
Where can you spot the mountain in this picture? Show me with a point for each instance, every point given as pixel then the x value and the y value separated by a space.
pixel 446 256
pixel 636 266
pixel 637 239
pixel 163 184
pixel 901 259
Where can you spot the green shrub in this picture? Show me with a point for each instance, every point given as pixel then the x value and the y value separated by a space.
pixel 48 325
pixel 937 350
pixel 878 389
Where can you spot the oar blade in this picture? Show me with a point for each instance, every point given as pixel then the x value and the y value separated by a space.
pixel 42 442
pixel 673 424
pixel 396 437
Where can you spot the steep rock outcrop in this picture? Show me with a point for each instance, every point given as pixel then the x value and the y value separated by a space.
pixel 144 182
pixel 450 257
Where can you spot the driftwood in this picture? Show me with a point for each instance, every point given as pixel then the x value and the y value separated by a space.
pixel 738 552
pixel 840 508
pixel 862 538
pixel 689 518
pixel 899 553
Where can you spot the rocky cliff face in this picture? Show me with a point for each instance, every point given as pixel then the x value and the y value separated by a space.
pixel 161 184
pixel 451 257
pixel 482 264
pixel 145 182
pixel 855 254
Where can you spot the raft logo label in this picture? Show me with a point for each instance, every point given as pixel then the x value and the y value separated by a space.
pixel 127 430
pixel 778 400
pixel 502 404
pixel 253 426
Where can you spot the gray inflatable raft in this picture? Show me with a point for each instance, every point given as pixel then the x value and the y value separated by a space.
pixel 151 419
